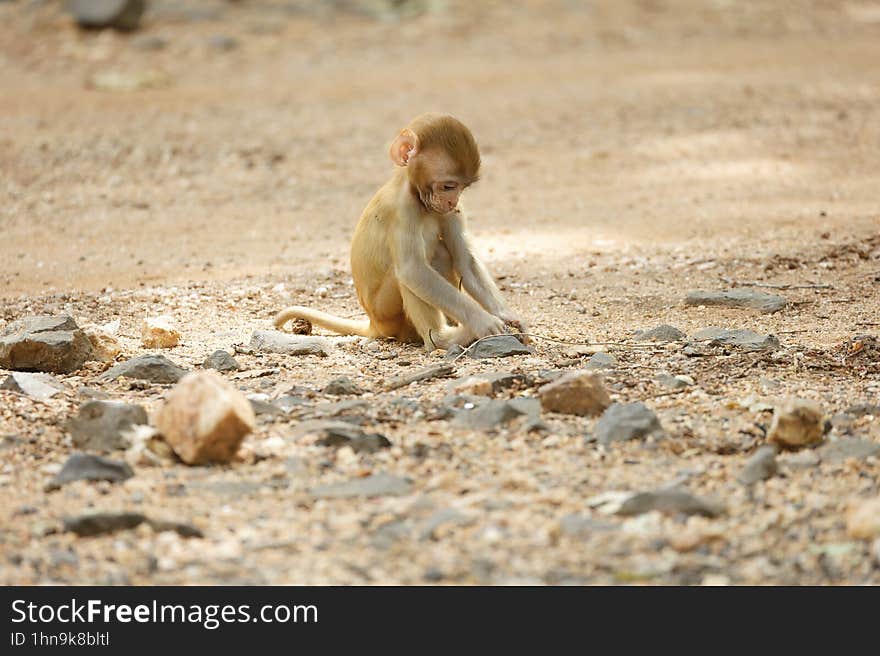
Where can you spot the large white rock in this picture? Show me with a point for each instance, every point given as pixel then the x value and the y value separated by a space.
pixel 575 393
pixel 204 418
pixel 159 332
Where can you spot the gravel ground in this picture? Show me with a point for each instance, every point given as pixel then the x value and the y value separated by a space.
pixel 633 154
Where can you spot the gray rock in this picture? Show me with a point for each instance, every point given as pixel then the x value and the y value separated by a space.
pixel 287 403
pixel 498 346
pixel 671 382
pixel 390 532
pixel 670 501
pixel 221 361
pixel 340 408
pixel 499 380
pixel 444 517
pixel 149 42
pixel 761 466
pixel 119 14
pixel 800 460
pixel 153 368
pixel 183 530
pixel 627 421
pixel 44 343
pixel 504 380
pixel 264 408
pixel 88 467
pixel 377 485
pixel 222 42
pixel 744 339
pixel 342 386
pixel 90 394
pixel 41 387
pixel 100 425
pixel 497 412
pixel 340 433
pixel 738 298
pixel 102 523
pixel 273 341
pixel 836 452
pixel 453 352
pixel 93 524
pixel 601 361
pixel 583 525
pixel 862 409
pixel 842 422
pixel 664 333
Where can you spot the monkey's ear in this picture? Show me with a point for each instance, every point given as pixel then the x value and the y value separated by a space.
pixel 404 147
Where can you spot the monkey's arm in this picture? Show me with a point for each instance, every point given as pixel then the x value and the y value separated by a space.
pixel 416 274
pixel 475 277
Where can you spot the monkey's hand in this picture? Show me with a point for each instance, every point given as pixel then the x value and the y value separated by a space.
pixel 487 325
pixel 515 324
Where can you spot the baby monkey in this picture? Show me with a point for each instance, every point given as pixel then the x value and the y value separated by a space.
pixel 410 255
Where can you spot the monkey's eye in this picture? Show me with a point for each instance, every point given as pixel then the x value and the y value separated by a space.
pixel 449 187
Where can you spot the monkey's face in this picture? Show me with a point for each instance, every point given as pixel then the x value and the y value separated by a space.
pixel 438 181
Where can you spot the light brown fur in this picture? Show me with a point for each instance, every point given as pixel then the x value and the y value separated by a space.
pixel 410 255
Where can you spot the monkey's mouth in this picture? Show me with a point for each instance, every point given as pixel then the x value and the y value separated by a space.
pixel 430 204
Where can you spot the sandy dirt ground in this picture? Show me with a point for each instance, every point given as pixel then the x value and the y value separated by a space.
pixel 633 152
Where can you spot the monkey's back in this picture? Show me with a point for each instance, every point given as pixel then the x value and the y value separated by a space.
pixel 371 258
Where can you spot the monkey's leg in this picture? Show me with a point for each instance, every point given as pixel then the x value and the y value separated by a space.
pixel 426 319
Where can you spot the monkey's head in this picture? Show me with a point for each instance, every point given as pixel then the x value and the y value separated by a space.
pixel 441 157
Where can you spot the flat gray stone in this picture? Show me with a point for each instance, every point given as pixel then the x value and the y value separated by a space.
pixel 801 460
pixel 41 387
pixel 761 466
pixel 222 42
pixel 738 298
pixel 862 409
pixel 342 386
pixel 288 403
pixel 153 368
pixel 840 450
pixel 377 485
pixel 744 339
pixel 119 14
pixel 444 517
pixel 88 467
pixel 498 346
pixel 627 421
pixel 496 413
pixel 499 380
pixel 341 433
pixel 583 525
pixel 93 524
pixel 340 408
pixel 601 361
pixel 221 361
pixel 670 501
pixel 149 42
pixel 100 425
pixel 663 333
pixel 273 341
pixel 44 343
pixel 671 382
pixel 264 408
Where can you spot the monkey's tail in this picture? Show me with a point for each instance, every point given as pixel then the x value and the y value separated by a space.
pixel 339 325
